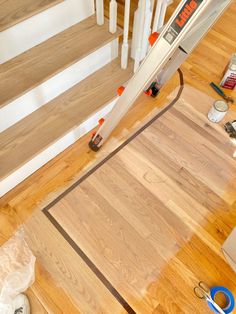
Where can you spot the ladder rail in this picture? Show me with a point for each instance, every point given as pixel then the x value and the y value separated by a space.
pixel 188 44
pixel 206 22
pixel 165 47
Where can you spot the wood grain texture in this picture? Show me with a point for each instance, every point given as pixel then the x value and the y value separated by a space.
pixel 145 210
pixel 35 305
pixel 16 11
pixel 51 122
pixel 68 270
pixel 50 293
pixel 43 61
pixel 204 65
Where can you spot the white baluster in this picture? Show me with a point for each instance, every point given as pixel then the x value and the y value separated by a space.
pixel 160 14
pixel 157 15
pixel 146 29
pixel 153 6
pixel 140 20
pixel 141 32
pixel 163 14
pixel 100 12
pixel 135 34
pixel 113 17
pixel 125 45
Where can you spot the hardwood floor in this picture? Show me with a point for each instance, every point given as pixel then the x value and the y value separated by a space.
pixel 70 271
pixel 153 218
pixel 203 66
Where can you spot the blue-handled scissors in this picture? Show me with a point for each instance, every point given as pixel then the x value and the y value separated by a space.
pixel 202 291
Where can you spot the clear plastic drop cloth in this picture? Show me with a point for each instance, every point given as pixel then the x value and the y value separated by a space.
pixel 17 270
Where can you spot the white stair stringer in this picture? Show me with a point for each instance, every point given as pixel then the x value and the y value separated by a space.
pixel 20 174
pixel 42 26
pixel 48 90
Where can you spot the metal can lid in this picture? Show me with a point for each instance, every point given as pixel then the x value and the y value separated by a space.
pixel 233 67
pixel 234 58
pixel 221 105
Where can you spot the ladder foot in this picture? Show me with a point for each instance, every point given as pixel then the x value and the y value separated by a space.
pixel 153 90
pixel 93 146
pixel 94 142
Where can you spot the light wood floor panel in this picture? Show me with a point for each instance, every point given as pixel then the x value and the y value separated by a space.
pixel 40 63
pixel 15 11
pixel 68 270
pixel 134 215
pixel 51 122
pixel 50 293
pixel 35 305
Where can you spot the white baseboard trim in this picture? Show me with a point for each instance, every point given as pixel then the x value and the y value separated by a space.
pixel 42 26
pixel 52 151
pixel 42 94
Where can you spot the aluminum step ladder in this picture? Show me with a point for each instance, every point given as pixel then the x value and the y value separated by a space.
pixel 190 22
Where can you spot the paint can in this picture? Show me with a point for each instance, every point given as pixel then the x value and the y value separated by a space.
pixel 229 79
pixel 218 111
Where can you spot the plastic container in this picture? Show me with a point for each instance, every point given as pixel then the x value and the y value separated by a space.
pixel 218 111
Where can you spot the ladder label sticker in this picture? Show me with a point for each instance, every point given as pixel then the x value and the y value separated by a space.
pixel 181 20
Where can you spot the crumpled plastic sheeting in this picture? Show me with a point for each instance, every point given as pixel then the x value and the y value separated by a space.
pixel 17 270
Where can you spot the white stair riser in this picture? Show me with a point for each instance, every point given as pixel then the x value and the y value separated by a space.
pixel 42 94
pixel 42 26
pixel 52 151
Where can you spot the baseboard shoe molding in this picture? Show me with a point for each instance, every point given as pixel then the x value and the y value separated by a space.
pixel 42 26
pixel 42 94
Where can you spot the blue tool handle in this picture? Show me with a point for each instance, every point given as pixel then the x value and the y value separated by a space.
pixel 217 89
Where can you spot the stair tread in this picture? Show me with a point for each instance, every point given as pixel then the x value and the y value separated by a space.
pixel 30 69
pixel 27 138
pixel 15 11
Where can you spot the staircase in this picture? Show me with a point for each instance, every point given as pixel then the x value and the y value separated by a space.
pixel 59 74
